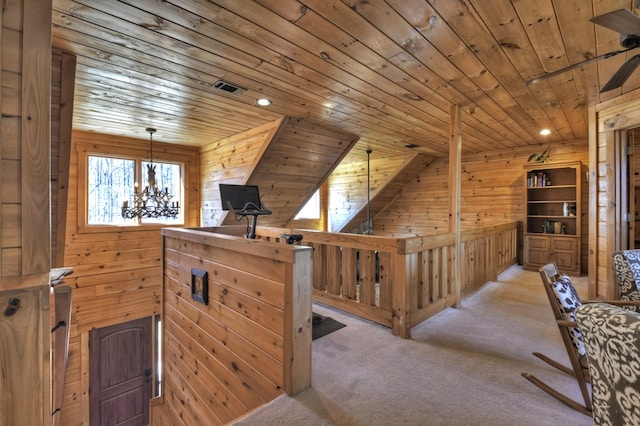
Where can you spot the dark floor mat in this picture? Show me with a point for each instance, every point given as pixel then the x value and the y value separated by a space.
pixel 324 325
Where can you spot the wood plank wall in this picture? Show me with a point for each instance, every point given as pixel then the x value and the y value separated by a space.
pixel 295 164
pixel 25 120
pixel 348 187
pixel 288 159
pixel 231 161
pixel 492 194
pixel 117 272
pixel 608 121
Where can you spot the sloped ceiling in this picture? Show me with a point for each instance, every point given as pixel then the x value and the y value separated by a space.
pixel 296 161
pixel 384 71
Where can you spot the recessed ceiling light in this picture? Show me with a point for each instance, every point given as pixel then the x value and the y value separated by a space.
pixel 263 102
pixel 545 132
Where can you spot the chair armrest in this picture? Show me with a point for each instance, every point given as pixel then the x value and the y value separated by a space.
pixel 567 323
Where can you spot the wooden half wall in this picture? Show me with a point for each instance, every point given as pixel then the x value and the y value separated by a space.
pixel 244 338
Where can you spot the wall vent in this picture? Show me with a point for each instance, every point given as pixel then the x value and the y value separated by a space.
pixel 228 87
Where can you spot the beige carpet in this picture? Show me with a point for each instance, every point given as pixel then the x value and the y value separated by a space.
pixel 461 367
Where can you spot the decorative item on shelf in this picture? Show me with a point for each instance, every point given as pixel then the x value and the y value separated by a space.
pixel 151 202
pixel 542 157
pixel 554 227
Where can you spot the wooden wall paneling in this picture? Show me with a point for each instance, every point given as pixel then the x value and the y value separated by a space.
pixel 118 271
pixel 25 339
pixel 230 160
pixel 36 137
pixel 607 118
pixel 491 193
pixel 348 191
pixel 56 65
pixel 67 81
pixel 233 354
pixel 289 171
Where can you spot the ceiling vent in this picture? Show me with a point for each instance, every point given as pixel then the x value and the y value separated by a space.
pixel 228 87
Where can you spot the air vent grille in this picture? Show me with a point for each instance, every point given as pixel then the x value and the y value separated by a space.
pixel 228 87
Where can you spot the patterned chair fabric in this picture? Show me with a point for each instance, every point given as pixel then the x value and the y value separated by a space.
pixel 568 301
pixel 612 339
pixel 626 264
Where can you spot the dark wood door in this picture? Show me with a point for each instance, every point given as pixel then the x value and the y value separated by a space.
pixel 120 382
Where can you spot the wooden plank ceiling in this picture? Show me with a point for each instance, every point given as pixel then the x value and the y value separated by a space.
pixel 386 71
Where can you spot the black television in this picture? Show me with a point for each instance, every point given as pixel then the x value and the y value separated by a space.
pixel 240 198
pixel 243 200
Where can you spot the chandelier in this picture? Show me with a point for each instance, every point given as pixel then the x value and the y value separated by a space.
pixel 151 202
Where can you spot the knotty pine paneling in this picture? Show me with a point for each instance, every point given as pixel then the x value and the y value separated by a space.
pixel 226 358
pixel 25 119
pixel 349 195
pixel 348 187
pixel 297 161
pixel 492 194
pixel 230 161
pixel 117 274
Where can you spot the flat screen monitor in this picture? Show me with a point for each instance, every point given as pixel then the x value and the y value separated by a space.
pixel 240 197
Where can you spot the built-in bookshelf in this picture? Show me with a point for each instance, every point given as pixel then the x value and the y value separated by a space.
pixel 552 223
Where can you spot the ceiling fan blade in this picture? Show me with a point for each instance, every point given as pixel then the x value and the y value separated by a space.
pixel 576 65
pixel 623 21
pixel 622 74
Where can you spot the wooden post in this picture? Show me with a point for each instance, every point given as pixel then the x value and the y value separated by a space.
pixel 455 172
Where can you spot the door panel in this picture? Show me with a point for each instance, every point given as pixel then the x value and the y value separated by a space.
pixel 120 362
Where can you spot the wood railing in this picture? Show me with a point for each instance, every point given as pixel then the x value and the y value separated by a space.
pixel 400 282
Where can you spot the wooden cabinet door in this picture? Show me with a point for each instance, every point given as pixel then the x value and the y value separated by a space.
pixel 120 374
pixel 564 251
pixel 536 251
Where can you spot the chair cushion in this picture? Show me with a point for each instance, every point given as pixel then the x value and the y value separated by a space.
pixel 626 265
pixel 568 301
pixel 612 339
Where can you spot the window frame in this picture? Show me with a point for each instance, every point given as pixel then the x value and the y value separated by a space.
pixel 139 156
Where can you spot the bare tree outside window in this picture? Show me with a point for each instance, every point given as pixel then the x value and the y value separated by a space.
pixel 112 180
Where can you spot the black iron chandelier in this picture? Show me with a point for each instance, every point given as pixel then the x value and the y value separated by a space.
pixel 151 202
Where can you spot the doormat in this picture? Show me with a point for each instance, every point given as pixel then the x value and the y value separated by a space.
pixel 321 326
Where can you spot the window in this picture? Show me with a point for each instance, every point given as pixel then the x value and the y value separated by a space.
pixel 111 182
pixel 311 210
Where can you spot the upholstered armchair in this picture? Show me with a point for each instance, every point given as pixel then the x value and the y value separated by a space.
pixel 626 265
pixel 612 339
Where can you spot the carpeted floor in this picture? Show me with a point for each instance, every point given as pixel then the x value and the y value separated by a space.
pixel 461 367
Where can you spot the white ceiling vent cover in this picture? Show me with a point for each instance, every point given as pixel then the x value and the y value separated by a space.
pixel 228 87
